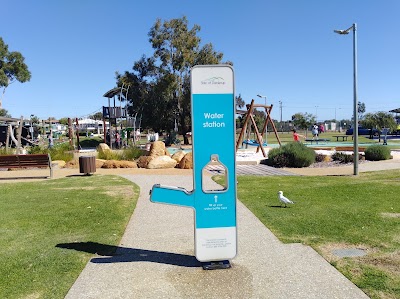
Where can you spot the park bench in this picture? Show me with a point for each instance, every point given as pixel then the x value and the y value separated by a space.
pixel 316 141
pixel 26 161
pixel 344 137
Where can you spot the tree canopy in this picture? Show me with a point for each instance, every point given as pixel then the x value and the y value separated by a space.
pixel 4 113
pixel 379 120
pixel 159 86
pixel 303 120
pixel 239 101
pixel 360 109
pixel 12 67
pixel 96 116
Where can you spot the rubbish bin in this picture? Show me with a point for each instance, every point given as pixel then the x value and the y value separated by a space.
pixel 87 164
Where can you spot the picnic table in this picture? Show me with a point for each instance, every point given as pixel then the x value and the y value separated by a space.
pixel 344 137
pixel 321 140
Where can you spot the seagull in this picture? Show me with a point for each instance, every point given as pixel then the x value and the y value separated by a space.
pixel 284 199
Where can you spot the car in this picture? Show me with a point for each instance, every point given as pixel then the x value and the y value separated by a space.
pixel 364 131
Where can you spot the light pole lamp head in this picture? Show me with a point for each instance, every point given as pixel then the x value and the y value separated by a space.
pixel 260 96
pixel 341 31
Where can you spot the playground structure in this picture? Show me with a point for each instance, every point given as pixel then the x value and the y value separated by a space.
pixel 12 131
pixel 250 123
pixel 115 114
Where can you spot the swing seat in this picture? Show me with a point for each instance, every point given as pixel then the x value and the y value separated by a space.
pixel 253 143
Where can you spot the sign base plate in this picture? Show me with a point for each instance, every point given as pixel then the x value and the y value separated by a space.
pixel 216 265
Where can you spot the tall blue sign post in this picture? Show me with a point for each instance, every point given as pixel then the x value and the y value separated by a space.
pixel 213 139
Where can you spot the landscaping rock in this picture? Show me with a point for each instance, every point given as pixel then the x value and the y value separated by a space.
pixel 143 161
pixel 186 162
pixel 161 162
pixel 178 156
pixel 58 164
pixel 128 164
pixel 102 148
pixel 157 149
pixel 99 163
pixel 119 164
pixel 72 164
pixel 111 164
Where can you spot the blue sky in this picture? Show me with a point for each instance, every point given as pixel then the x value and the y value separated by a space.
pixel 285 50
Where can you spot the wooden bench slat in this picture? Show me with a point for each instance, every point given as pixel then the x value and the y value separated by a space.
pixel 26 161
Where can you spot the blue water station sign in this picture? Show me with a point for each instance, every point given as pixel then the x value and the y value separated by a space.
pixel 213 140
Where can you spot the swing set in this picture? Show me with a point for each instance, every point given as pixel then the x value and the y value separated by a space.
pixel 250 123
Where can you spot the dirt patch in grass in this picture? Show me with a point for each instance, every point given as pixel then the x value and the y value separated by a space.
pixel 76 188
pixel 387 262
pixel 33 296
pixel 390 215
pixel 125 191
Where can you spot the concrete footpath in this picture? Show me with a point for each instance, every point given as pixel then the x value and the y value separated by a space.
pixel 156 259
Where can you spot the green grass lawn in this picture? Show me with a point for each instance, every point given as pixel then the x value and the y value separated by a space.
pixel 37 216
pixel 286 137
pixel 333 212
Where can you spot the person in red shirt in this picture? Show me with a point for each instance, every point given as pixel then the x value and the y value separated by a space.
pixel 296 136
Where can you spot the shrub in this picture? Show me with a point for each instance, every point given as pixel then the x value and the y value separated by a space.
pixel 6 151
pixel 61 151
pixel 109 155
pixel 377 153
pixel 130 153
pixel 92 142
pixel 344 158
pixel 320 158
pixel 293 154
pixel 280 160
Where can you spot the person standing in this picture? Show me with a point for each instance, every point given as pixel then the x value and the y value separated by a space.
pixel 118 139
pixel 137 135
pixel 314 131
pixel 50 138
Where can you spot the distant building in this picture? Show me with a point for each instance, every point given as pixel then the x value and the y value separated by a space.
pixel 91 126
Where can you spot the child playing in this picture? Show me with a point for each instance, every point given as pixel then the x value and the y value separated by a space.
pixel 296 136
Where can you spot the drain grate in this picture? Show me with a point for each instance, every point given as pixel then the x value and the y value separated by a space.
pixel 349 252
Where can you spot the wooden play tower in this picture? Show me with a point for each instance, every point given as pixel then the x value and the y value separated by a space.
pixel 250 123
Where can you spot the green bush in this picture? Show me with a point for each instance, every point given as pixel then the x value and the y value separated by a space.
pixel 6 151
pixel 320 158
pixel 61 151
pixel 109 155
pixel 377 153
pixel 293 154
pixel 130 153
pixel 91 142
pixel 279 160
pixel 342 157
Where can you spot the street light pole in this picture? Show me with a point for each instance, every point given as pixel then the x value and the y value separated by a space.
pixel 280 107
pixel 355 103
pixel 266 127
